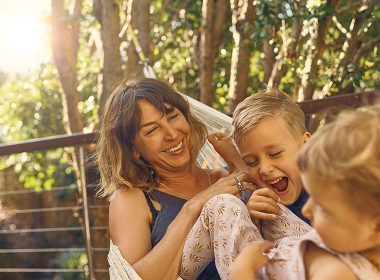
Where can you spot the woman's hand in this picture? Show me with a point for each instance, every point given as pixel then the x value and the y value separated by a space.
pixel 224 146
pixel 263 204
pixel 250 260
pixel 223 185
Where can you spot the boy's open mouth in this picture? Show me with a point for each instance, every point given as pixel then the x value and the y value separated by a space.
pixel 281 185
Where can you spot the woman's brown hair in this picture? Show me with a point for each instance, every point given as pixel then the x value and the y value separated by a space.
pixel 119 125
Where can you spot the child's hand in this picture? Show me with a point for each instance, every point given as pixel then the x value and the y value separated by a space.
pixel 224 146
pixel 250 260
pixel 263 204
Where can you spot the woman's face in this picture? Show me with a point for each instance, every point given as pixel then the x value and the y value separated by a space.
pixel 163 139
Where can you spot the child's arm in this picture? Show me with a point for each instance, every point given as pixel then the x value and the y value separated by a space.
pixel 226 149
pixel 321 265
pixel 250 260
pixel 263 205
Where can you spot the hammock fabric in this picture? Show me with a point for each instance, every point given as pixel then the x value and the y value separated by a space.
pixel 119 268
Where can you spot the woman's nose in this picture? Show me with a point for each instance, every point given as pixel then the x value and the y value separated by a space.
pixel 170 132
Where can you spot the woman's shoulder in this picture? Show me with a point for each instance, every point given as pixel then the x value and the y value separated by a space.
pixel 126 198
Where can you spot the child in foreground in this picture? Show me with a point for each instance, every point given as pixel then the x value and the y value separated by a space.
pixel 340 169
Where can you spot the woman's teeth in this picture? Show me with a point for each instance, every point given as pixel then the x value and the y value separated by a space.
pixel 174 149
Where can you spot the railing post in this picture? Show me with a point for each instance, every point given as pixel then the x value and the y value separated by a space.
pixel 86 214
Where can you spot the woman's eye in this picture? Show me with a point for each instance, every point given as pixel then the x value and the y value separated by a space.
pixel 251 163
pixel 150 131
pixel 173 116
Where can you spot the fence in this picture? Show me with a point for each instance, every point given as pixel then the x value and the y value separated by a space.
pixel 84 227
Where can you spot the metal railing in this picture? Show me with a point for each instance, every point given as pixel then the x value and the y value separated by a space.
pixel 84 228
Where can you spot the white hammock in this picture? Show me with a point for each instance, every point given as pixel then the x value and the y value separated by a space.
pixel 119 268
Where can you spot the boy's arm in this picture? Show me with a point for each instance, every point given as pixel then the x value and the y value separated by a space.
pixel 227 150
pixel 321 265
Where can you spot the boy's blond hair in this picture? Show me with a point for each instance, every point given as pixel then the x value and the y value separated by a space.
pixel 265 104
pixel 346 153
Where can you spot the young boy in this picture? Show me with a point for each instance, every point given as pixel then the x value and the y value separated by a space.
pixel 340 168
pixel 269 130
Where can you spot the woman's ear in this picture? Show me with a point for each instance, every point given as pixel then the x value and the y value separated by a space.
pixel 306 137
pixel 135 154
pixel 376 224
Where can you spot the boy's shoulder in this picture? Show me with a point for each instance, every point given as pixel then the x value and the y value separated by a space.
pixel 320 264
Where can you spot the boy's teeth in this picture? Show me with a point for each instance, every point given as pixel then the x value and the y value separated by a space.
pixel 176 148
pixel 274 181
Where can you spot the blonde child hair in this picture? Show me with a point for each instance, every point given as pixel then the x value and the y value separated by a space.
pixel 264 104
pixel 346 153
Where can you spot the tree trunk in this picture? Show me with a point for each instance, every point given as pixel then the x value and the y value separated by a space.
pixel 243 13
pixel 269 58
pixel 65 47
pixel 213 19
pixel 310 72
pixel 110 61
pixel 138 18
pixel 289 55
pixel 348 50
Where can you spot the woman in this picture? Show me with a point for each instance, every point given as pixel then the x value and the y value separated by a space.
pixel 147 150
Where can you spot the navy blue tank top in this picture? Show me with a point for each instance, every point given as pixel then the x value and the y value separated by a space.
pixel 170 207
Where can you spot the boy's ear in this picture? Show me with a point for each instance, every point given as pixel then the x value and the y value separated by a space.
pixel 306 137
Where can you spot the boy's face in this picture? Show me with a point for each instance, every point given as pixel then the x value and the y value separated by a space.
pixel 341 226
pixel 270 151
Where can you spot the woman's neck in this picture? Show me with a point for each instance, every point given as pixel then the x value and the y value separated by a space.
pixel 188 183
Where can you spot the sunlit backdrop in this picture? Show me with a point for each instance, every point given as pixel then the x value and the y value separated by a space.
pixel 23 34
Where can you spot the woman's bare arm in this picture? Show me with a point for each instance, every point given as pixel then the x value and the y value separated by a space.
pixel 130 229
pixel 130 232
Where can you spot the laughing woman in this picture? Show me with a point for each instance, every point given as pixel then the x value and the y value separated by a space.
pixel 147 149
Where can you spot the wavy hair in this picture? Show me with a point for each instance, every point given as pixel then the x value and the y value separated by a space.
pixel 119 125
pixel 346 153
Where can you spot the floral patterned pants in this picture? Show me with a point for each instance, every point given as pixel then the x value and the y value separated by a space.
pixel 224 228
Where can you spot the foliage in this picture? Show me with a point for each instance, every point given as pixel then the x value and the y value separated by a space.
pixel 73 260
pixel 175 30
pixel 28 109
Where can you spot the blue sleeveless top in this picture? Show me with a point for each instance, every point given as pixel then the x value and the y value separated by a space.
pixel 170 207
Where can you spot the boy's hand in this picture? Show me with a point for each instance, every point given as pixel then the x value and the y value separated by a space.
pixel 249 260
pixel 263 204
pixel 224 146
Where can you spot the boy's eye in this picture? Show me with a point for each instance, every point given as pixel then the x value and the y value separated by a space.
pixel 275 154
